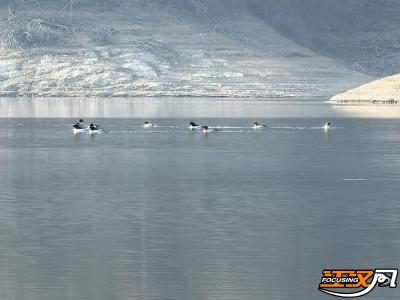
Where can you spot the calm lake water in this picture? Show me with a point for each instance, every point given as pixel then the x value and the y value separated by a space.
pixel 167 213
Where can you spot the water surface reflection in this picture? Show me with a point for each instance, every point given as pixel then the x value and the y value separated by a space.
pixel 186 108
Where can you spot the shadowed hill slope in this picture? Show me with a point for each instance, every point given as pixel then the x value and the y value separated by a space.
pixel 362 33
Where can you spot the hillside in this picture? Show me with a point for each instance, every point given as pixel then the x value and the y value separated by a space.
pixel 168 48
pixel 361 33
pixel 385 90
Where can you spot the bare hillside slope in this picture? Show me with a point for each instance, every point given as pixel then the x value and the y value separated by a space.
pixel 157 48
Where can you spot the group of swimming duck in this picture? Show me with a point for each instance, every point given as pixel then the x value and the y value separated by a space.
pixel 205 128
pixel 92 128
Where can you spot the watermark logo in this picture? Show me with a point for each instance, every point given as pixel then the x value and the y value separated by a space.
pixel 356 283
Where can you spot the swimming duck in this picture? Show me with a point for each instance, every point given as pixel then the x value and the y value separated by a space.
pixel 193 126
pixel 95 128
pixel 79 127
pixel 147 124
pixel 257 125
pixel 207 129
pixel 327 126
